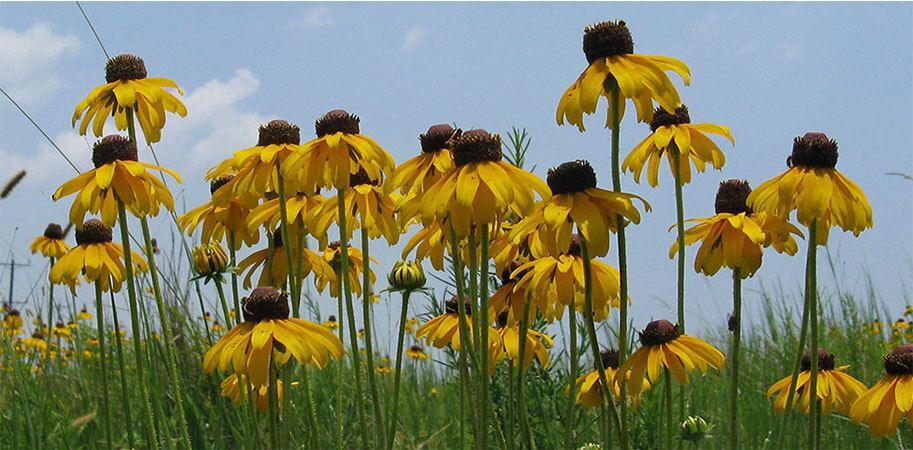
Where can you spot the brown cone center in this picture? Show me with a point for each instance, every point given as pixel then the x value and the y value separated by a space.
pixel 476 146
pixel 607 39
pixel 125 67
pixel 659 332
pixel 336 121
pixel 265 303
pixel 93 232
pixel 112 148
pixel 731 197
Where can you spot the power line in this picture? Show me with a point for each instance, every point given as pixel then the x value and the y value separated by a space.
pixel 92 27
pixel 27 116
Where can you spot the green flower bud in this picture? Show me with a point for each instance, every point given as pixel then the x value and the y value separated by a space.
pixel 406 276
pixel 694 429
pixel 209 259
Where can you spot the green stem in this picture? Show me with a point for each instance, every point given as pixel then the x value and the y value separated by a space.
pixel 521 371
pixel 273 401
pixel 369 343
pixel 102 360
pixel 608 398
pixel 485 324
pixel 736 344
pixel 339 367
pixel 465 343
pixel 680 227
pixel 134 322
pixel 128 420
pixel 350 312
pixel 667 397
pixel 176 383
pixel 572 397
pixel 234 280
pixel 47 358
pixel 813 325
pixel 288 245
pixel 225 310
pixel 622 255
pixel 796 365
pixel 309 404
pixel 511 407
pixel 399 361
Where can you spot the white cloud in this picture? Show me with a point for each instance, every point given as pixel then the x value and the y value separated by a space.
pixel 29 58
pixel 216 123
pixel 318 17
pixel 413 38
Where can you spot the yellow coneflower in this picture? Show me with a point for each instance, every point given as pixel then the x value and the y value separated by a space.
pixel 664 346
pixel 12 322
pixel 217 328
pixel 237 391
pixel 508 344
pixel 92 342
pixel 412 324
pixel 275 269
pixel 84 314
pixel 367 207
pixel 885 403
pixel 61 331
pixel 609 50
pixel 576 201
pixel 36 343
pixel 299 208
pixel 815 189
pixel 221 220
pixel 836 389
pixel 129 89
pixel 51 243
pixel 331 323
pixel 589 388
pixel 255 168
pixel 96 258
pixel 444 330
pixel 339 151
pixel 383 370
pixel 675 136
pixel 117 175
pixel 72 326
pixel 736 235
pixel 331 255
pixel 417 352
pixel 562 279
pixel 510 298
pixel 430 242
pixel 269 333
pixel 480 189
pixel 415 175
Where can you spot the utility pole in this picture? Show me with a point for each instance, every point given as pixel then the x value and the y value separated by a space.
pixel 12 265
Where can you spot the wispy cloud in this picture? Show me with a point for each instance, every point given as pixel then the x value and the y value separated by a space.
pixel 29 59
pixel 413 38
pixel 318 17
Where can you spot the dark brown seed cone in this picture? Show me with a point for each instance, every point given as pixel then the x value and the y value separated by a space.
pixel 476 146
pixel 662 118
pixel 416 348
pixel 502 318
pixel 93 232
pixel 361 177
pixel 607 39
pixel 219 182
pixel 451 306
pixel 125 67
pixel 659 332
pixel 53 231
pixel 113 148
pixel 438 138
pixel 279 132
pixel 609 359
pixel 335 121
pixel 900 360
pixel 331 319
pixel 825 360
pixel 571 177
pixel 505 274
pixel 265 303
pixel 731 197
pixel 814 150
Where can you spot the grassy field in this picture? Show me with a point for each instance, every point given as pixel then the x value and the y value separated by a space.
pixel 54 403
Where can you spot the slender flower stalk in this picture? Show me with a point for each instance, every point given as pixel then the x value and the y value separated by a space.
pixel 485 325
pixel 273 400
pixel 571 415
pixel 293 283
pixel 464 332
pixel 812 273
pixel 138 351
pixel 125 403
pixel 234 278
pixel 350 312
pixel 369 343
pixel 521 400
pixel 160 305
pixel 102 361
pixel 608 399
pixel 394 408
pixel 736 328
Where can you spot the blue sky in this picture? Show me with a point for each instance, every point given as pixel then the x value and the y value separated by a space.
pixel 769 71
